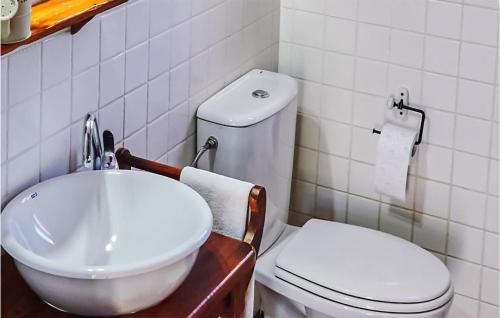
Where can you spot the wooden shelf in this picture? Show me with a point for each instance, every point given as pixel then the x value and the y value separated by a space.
pixel 55 15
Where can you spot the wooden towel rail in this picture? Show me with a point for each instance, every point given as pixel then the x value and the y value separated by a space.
pixel 256 198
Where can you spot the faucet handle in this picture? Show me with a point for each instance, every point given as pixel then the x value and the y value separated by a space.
pixel 108 141
pixel 109 159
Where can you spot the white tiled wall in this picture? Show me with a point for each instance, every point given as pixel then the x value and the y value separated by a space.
pixel 143 68
pixel 349 55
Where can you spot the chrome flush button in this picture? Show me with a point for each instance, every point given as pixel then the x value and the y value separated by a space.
pixel 260 94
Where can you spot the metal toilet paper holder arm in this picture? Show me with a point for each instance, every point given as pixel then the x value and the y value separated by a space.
pixel 402 106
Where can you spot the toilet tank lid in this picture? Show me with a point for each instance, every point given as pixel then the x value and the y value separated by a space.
pixel 238 106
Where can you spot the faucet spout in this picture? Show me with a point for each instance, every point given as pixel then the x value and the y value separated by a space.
pixel 92 148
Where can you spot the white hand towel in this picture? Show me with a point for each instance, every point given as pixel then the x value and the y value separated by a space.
pixel 227 198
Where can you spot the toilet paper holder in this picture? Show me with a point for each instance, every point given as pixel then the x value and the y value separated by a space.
pixel 400 106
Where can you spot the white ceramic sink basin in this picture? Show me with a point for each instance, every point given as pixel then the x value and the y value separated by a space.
pixel 105 242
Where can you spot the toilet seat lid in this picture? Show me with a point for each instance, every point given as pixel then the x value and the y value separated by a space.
pixel 363 263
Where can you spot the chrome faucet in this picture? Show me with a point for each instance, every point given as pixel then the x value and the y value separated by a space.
pixel 94 157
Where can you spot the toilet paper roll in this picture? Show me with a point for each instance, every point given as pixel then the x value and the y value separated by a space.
pixel 393 158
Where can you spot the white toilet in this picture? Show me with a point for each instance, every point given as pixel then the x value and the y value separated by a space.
pixel 324 269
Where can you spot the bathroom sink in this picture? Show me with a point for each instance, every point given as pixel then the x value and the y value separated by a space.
pixel 105 242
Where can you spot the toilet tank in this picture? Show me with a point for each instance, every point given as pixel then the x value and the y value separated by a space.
pixel 253 120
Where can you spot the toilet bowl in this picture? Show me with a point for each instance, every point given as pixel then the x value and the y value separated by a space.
pixel 351 272
pixel 324 269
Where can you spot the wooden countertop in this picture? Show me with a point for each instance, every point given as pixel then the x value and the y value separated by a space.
pixel 216 286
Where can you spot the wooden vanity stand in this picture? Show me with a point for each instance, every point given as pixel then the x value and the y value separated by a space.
pixel 216 286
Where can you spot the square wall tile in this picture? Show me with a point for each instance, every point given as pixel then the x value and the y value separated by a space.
pixel 373 41
pixel 371 77
pixel 199 70
pixel 136 110
pixel 178 124
pixel 331 204
pixel 24 73
pixel 470 171
pixel 138 21
pixel 341 8
pixel 333 172
pixel 86 46
pixel 56 63
pixel 441 55
pixel 179 84
pixel 307 131
pixel 439 91
pixel 444 19
pixel 307 63
pixel 137 143
pixel 157 137
pixel 488 311
pixel 432 198
pixel 85 96
pixel 463 307
pixel 4 68
pixel 490 255
pixel 407 48
pixel 159 57
pixel 476 62
pixel 435 162
pixel 338 70
pixel 180 35
pixel 468 207
pixel 493 186
pixel 309 98
pixel 480 25
pixel 111 118
pixel 377 12
pixel 369 110
pixel 23 171
pixel 56 108
pixel 362 212
pixel 439 127
pixel 361 180
pixel 336 103
pixel 136 67
pixel 305 164
pixel 364 145
pixel 396 221
pixel 335 138
pixel 307 28
pixel 182 154
pixel 475 99
pixel 112 79
pixel 113 26
pixel 24 126
pixel 430 232
pixel 414 21
pixel 473 135
pixel 161 15
pixel 159 96
pixel 492 214
pixel 303 195
pixel 489 286
pixel 465 276
pixel 55 155
pixel 3 135
pixel 340 35
pixel 465 242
